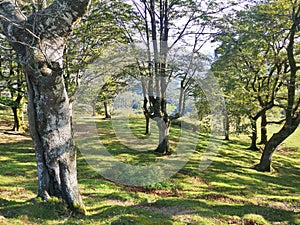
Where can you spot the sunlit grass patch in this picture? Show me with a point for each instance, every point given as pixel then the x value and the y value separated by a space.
pixel 229 191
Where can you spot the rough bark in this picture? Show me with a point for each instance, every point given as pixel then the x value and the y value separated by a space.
pixel 272 145
pixel 39 41
pixel 164 129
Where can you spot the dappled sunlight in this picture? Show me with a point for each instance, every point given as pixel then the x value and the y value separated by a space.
pixel 228 191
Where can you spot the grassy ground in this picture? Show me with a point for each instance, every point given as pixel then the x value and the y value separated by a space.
pixel 227 192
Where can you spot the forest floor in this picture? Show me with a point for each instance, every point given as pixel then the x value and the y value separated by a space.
pixel 229 191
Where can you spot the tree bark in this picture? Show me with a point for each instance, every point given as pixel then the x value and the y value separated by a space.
pixel 39 41
pixel 17 119
pixel 226 126
pixel 147 125
pixel 181 105
pixel 264 136
pixel 146 113
pixel 17 112
pixel 107 111
pixel 50 127
pixel 253 145
pixel 272 145
pixel 164 128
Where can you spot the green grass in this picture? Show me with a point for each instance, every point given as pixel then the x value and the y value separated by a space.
pixel 227 192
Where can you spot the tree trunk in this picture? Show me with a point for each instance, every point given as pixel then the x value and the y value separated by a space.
pixel 39 41
pixel 266 158
pixel 181 105
pixel 50 127
pixel 226 126
pixel 164 128
pixel 107 111
pixel 253 136
pixel 148 126
pixel 17 119
pixel 17 112
pixel 264 137
pixel 147 117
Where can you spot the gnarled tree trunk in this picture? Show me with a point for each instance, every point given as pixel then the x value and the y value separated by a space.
pixel 272 144
pixel 39 40
pixel 292 109
pixel 164 130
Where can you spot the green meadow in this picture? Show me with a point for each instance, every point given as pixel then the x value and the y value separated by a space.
pixel 229 191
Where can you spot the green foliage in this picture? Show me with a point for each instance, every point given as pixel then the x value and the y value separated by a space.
pixel 7 101
pixel 101 29
pixel 112 87
pixel 251 61
pixel 252 43
pixel 12 83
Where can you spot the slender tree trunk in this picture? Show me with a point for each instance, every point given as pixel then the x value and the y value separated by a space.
pixel 16 119
pixel 264 136
pixel 107 111
pixel 17 112
pixel 146 113
pixel 253 145
pixel 181 100
pixel 226 127
pixel 148 126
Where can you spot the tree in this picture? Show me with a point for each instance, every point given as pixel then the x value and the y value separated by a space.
pixel 99 31
pixel 162 26
pixel 39 40
pixel 252 63
pixel 12 81
pixel 261 49
pixel 291 106
pixel 114 84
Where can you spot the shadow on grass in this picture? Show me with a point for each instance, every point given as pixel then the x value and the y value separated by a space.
pixel 227 188
pixel 32 211
pixel 115 214
pixel 222 210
